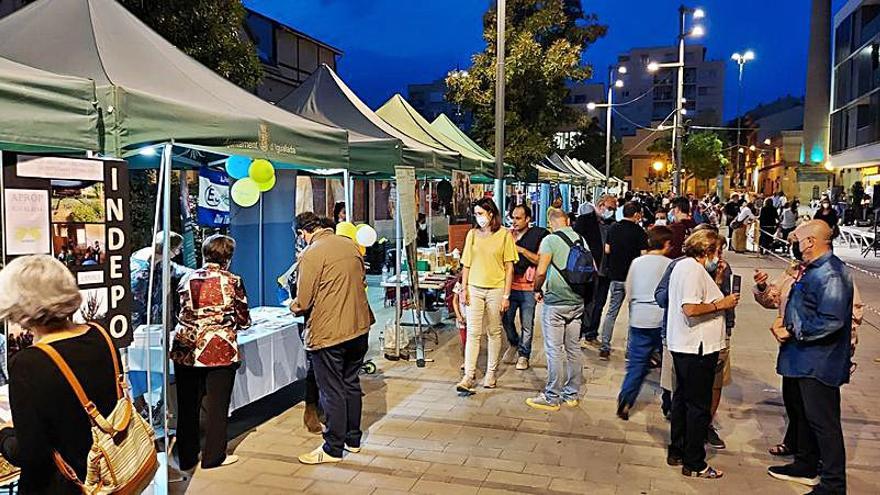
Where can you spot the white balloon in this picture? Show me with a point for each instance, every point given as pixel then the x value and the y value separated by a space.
pixel 366 236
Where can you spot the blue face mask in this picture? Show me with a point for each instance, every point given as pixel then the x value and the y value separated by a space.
pixel 608 214
pixel 671 217
pixel 711 265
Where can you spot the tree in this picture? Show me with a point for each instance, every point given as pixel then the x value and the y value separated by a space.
pixel 703 154
pixel 545 40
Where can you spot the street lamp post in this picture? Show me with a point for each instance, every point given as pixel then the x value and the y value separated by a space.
pixel 500 13
pixel 608 106
pixel 741 60
pixel 677 127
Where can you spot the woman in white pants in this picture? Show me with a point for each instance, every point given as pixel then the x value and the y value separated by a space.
pixel 488 258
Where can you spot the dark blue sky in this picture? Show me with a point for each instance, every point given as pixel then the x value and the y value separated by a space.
pixel 388 44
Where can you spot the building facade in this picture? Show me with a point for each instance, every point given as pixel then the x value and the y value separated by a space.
pixel 429 100
pixel 653 93
pixel 855 102
pixel 288 56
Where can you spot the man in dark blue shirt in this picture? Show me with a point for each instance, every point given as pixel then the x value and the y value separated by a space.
pixel 815 353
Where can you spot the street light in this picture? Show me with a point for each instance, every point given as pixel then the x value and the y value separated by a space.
pixel 658 165
pixel 741 60
pixel 677 131
pixel 591 106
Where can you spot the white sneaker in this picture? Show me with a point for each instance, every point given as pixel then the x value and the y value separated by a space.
pixel 230 459
pixel 490 381
pixel 318 456
pixel 353 450
pixel 510 355
pixel 522 363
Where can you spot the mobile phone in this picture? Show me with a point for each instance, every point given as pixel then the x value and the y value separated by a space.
pixel 736 286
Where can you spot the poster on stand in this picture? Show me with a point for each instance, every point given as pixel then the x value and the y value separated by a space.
pixel 461 197
pixel 406 184
pixel 78 211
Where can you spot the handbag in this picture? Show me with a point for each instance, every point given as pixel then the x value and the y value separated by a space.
pixel 123 457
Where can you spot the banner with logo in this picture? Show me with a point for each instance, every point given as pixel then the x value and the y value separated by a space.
pixel 213 209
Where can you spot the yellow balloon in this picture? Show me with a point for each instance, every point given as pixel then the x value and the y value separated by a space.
pixel 346 229
pixel 245 192
pixel 362 249
pixel 266 186
pixel 261 171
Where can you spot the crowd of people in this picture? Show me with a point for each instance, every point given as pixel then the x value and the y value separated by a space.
pixel 661 257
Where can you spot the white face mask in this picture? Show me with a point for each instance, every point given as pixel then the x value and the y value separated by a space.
pixel 482 221
pixel 423 226
pixel 660 221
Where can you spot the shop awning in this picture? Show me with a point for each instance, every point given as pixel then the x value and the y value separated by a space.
pixel 42 111
pixel 403 117
pixel 148 91
pixel 375 145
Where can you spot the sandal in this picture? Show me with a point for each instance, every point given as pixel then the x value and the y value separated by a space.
pixel 709 473
pixel 780 450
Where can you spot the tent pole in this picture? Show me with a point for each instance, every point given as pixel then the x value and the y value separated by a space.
pixel 152 274
pixel 346 177
pixel 261 271
pixel 430 211
pixel 166 280
pixel 398 245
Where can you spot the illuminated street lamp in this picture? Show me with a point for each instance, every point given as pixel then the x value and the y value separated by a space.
pixel 658 165
pixel 592 106
pixel 741 60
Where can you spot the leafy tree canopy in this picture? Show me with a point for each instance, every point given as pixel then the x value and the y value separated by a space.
pixel 703 154
pixel 545 41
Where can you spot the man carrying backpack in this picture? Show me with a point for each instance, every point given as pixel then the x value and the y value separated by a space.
pixel 562 289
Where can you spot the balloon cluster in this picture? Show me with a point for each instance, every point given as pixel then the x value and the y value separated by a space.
pixel 251 179
pixel 364 235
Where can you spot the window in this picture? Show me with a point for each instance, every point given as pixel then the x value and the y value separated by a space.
pixel 580 99
pixel 308 56
pixel 702 91
pixel 645 59
pixel 263 32
pixel 842 40
pixel 626 94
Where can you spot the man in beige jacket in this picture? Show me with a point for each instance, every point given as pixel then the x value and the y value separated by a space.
pixel 331 289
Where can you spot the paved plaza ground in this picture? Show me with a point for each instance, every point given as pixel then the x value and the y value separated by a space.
pixel 422 438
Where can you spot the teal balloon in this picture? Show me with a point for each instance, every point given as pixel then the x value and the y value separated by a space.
pixel 237 166
pixel 245 192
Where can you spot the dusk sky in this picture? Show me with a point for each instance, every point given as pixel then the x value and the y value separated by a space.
pixel 388 44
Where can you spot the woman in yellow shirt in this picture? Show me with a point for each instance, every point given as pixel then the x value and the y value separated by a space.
pixel 488 258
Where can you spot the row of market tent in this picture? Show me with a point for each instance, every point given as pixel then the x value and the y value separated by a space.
pixel 107 83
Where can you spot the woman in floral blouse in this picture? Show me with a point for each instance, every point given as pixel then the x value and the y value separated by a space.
pixel 205 353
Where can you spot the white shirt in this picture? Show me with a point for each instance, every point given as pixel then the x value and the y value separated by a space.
pixel 745 215
pixel 690 283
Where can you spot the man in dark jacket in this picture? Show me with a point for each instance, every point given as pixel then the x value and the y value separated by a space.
pixel 595 236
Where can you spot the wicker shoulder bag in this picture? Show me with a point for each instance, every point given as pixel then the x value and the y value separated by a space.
pixel 123 457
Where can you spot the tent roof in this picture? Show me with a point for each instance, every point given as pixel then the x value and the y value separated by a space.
pixel 325 98
pixel 43 111
pixel 149 91
pixel 446 126
pixel 400 114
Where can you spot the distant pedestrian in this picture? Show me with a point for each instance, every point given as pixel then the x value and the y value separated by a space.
pixel 645 316
pixel 595 239
pixel 681 225
pixel 768 221
pixel 740 226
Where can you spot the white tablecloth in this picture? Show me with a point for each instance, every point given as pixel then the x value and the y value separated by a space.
pixel 271 351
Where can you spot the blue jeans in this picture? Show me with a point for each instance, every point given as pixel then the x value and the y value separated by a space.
pixel 525 302
pixel 618 294
pixel 561 326
pixel 642 343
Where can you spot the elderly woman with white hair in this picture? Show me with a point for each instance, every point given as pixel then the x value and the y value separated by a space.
pixel 40 294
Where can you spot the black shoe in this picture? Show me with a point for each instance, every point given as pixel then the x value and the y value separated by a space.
pixel 790 472
pixel 623 412
pixel 605 355
pixel 674 460
pixel 714 440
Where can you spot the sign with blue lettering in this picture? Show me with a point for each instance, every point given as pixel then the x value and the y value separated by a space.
pixel 213 209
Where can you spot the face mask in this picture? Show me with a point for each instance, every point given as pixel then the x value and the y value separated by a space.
pixel 482 221
pixel 660 221
pixel 670 218
pixel 608 214
pixel 711 265
pixel 423 226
